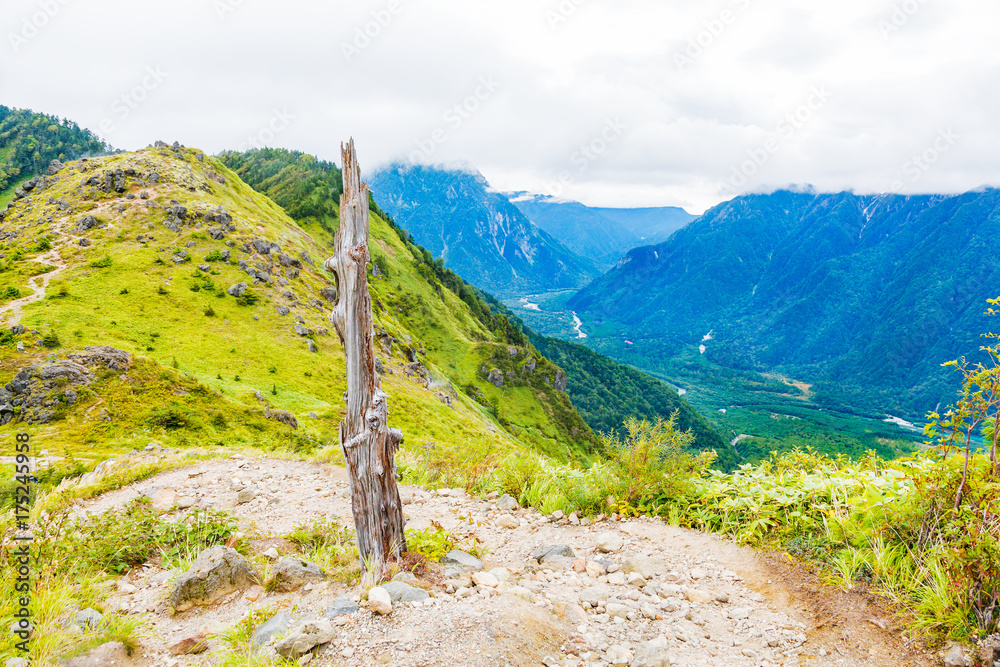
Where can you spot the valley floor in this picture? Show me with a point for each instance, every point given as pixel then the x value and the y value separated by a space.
pixel 700 599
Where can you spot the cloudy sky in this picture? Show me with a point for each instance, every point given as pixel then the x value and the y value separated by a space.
pixel 611 102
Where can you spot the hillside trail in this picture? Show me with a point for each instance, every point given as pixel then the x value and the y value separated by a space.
pixel 699 599
pixel 13 311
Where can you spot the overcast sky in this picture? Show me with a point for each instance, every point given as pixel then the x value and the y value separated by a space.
pixel 610 102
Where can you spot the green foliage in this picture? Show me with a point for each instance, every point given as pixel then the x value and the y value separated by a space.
pixel 608 393
pixel 30 141
pixel 51 340
pixel 431 543
pixel 121 539
pixel 102 263
pixel 305 187
pixel 326 542
pixel 12 293
pixel 248 299
pixel 654 458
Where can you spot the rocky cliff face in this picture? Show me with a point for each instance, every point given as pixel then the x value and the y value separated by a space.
pixel 476 231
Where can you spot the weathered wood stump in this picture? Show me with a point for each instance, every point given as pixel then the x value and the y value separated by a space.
pixel 368 444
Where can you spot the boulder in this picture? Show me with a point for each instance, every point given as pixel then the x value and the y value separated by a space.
pixel 85 223
pixel 216 573
pixel 237 290
pixel 291 574
pixel 496 378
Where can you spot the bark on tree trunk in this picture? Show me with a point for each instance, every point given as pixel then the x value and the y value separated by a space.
pixel 368 444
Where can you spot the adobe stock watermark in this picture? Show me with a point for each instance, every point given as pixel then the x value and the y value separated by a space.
pixel 454 118
pixel 365 34
pixel 713 29
pixel 32 25
pixel 224 8
pixel 785 129
pixel 900 15
pixel 563 12
pixel 125 104
pixel 919 164
pixel 280 120
pixel 586 155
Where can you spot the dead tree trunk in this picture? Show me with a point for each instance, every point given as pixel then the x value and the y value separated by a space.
pixel 368 444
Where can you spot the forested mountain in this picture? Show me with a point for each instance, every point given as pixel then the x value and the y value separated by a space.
pixel 306 187
pixel 476 230
pixel 600 234
pixel 863 295
pixel 604 392
pixel 29 141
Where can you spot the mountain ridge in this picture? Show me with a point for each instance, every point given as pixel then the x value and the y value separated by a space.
pixel 475 229
pixel 839 288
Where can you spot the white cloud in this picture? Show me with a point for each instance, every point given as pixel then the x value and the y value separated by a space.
pixel 893 89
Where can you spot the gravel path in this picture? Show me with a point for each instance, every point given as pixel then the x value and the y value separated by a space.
pixel 633 592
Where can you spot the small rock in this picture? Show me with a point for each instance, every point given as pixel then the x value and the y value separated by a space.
pixel 508 522
pixel 340 607
pixel 189 646
pixel 619 655
pixel 485 579
pixel 305 638
pixel 88 619
pixel 456 557
pixel 246 495
pixel 400 592
pixel 276 625
pixel 591 597
pixel 652 654
pixel 697 596
pixel 272 554
pixel 609 542
pixel 379 601
pixel 292 573
pixel 508 503
pixel 553 552
pixel 956 656
pixel 595 569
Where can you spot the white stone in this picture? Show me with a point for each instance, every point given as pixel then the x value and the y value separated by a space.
pixel 379 601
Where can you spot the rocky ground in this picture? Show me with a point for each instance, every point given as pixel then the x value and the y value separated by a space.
pixel 549 590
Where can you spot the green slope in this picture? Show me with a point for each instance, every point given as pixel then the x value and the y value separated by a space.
pixel 125 290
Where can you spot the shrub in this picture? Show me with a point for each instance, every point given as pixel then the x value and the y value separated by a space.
pixel 12 293
pixel 102 263
pixel 51 341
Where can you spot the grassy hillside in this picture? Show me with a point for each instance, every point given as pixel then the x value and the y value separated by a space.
pixel 161 295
